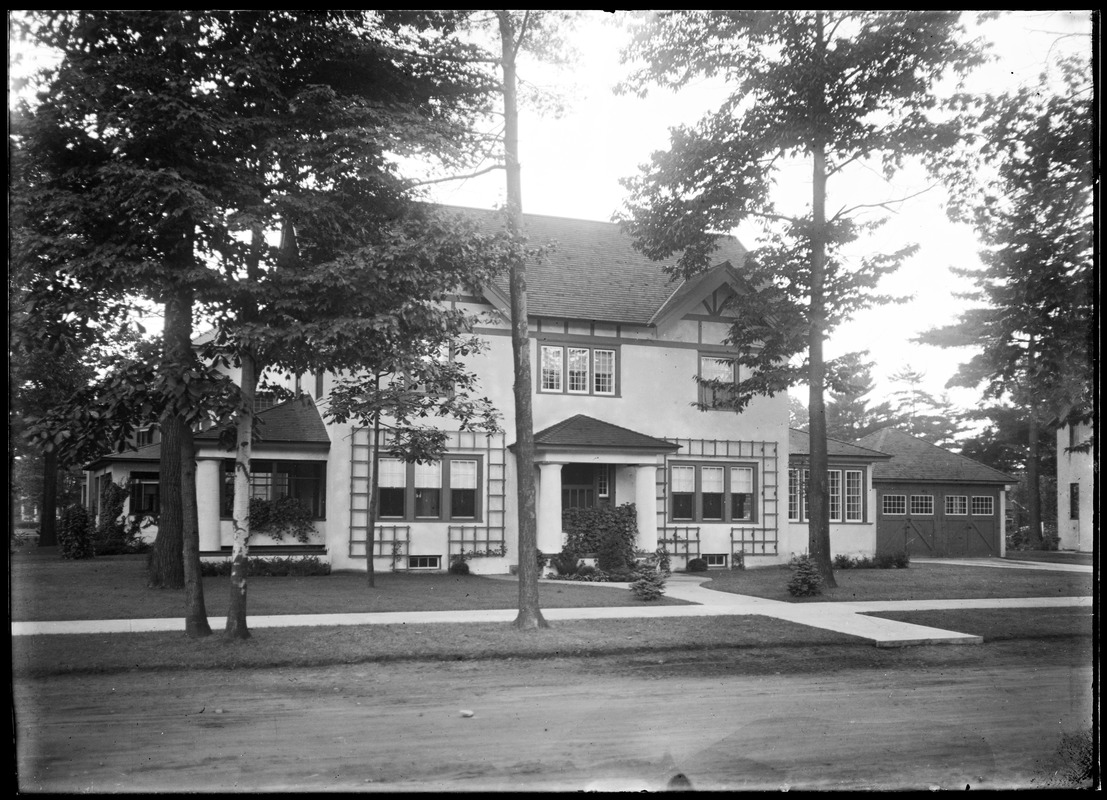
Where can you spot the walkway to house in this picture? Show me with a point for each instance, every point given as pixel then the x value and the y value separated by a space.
pixel 848 617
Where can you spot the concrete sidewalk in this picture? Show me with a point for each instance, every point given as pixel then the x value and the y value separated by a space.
pixel 849 618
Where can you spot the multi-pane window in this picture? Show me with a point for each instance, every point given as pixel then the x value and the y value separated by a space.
pixel 272 480
pixel 603 480
pixel 983 505
pixel 834 494
pixel 922 504
pixel 441 490
pixel 741 494
pixel 894 504
pixel 717 369
pixel 145 493
pixel 844 492
pixel 711 493
pixel 957 505
pixel 578 369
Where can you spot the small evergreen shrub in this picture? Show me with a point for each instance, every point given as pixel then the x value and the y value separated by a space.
pixel 806 580
pixel 75 533
pixel 650 586
pixel 459 567
pixel 697 565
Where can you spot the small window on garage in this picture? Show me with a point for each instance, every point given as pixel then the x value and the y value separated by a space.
pixel 715 559
pixel 894 504
pixel 983 506
pixel 424 562
pixel 957 505
pixel 922 504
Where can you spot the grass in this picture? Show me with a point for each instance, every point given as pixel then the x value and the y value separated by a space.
pixel 45 587
pixel 920 581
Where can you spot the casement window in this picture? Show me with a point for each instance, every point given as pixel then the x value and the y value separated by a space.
pixel 424 562
pixel 720 369
pixel 144 437
pixel 957 505
pixel 578 369
pixel 922 505
pixel 845 495
pixel 443 490
pixel 711 493
pixel 145 493
pixel 894 504
pixel 1074 501
pixel 272 480
pixel 715 559
pixel 983 506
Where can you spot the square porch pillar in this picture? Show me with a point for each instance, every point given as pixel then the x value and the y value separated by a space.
pixel 645 503
pixel 550 536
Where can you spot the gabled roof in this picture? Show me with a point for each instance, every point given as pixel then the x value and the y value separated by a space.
pixel 594 273
pixel 799 444
pixel 583 432
pixel 916 460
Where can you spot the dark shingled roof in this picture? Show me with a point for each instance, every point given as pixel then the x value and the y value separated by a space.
pixel 916 460
pixel 581 431
pixel 593 271
pixel 296 420
pixel 799 444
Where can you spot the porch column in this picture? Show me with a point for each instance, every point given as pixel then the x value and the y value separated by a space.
pixel 208 476
pixel 645 501
pixel 550 537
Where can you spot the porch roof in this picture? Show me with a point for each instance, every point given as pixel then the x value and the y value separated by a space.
pixel 581 432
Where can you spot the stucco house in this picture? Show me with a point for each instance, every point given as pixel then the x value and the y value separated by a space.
pixel 935 503
pixel 1076 500
pixel 615 348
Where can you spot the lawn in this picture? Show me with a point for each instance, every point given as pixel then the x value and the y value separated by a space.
pixel 45 587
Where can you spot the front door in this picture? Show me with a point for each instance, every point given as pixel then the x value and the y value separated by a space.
pixel 585 485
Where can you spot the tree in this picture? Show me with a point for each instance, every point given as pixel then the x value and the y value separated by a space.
pixel 830 87
pixel 849 415
pixel 933 419
pixel 1034 329
pixel 169 138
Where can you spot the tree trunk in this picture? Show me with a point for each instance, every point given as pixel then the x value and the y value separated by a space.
pixel 48 515
pixel 236 612
pixel 1033 479
pixel 530 614
pixel 165 569
pixel 818 534
pixel 196 615
pixel 374 485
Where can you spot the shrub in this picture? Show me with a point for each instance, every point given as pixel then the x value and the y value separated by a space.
pixel 649 586
pixel 608 532
pixel 806 580
pixel 112 535
pixel 459 567
pixel 842 561
pixel 292 566
pixel 863 562
pixel 697 565
pixel 622 575
pixel 586 571
pixel 566 562
pixel 901 560
pixel 75 533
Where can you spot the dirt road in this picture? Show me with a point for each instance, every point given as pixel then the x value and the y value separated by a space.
pixel 566 724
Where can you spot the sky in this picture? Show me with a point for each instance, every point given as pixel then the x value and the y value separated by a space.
pixel 572 165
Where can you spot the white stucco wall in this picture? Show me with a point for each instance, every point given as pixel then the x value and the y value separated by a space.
pixel 1079 469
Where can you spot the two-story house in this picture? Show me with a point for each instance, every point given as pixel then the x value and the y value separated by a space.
pixel 616 345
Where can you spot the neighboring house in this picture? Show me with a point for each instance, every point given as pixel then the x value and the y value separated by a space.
pixel 935 503
pixel 850 489
pixel 1075 488
pixel 615 347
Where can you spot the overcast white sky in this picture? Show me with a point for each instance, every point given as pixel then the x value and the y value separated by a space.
pixel 572 166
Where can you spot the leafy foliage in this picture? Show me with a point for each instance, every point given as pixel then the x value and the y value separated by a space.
pixel 290 566
pixel 75 533
pixel 651 586
pixel 697 565
pixel 609 532
pixel 280 517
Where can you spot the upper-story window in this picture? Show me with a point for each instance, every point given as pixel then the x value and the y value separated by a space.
pixel 578 369
pixel 714 367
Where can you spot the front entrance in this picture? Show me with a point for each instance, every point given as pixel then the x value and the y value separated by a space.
pixel 586 485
